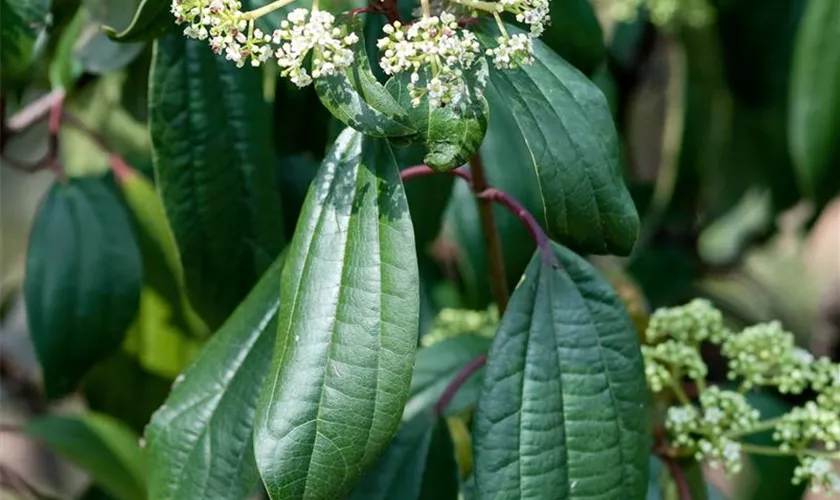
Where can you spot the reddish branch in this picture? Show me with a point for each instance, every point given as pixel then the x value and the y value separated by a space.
pixel 661 450
pixel 424 171
pixel 528 220
pixel 460 378
pixel 498 276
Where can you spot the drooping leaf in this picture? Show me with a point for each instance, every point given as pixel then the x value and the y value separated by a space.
pixel 814 123
pixel 21 21
pixel 435 368
pixel 575 34
pixel 355 97
pixel 566 136
pixel 452 133
pixel 161 263
pixel 83 277
pixel 151 20
pixel 419 463
pixel 427 197
pixel 564 399
pixel 100 445
pixel 347 328
pixel 214 167
pixel 200 441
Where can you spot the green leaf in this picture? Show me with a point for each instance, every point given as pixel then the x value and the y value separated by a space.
pixel 814 124
pixel 575 34
pixel 83 276
pixel 451 134
pixel 201 440
pixel 437 365
pixel 427 197
pixel 100 445
pixel 21 21
pixel 347 328
pixel 566 136
pixel 161 263
pixel 419 463
pixel 564 397
pixel 357 99
pixel 120 387
pixel 214 167
pixel 151 20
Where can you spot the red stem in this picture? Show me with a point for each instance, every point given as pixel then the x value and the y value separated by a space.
pixel 460 378
pixel 679 477
pixel 424 171
pixel 521 213
pixel 34 112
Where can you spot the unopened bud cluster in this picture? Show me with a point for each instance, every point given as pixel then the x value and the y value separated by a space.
pixel 664 13
pixel 451 323
pixel 763 355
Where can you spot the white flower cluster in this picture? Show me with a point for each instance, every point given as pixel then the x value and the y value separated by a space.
pixel 297 37
pixel 705 431
pixel 435 47
pixel 825 380
pixel 228 31
pixel 451 323
pixel 808 424
pixel 221 22
pixel 534 13
pixel 765 355
pixel 512 51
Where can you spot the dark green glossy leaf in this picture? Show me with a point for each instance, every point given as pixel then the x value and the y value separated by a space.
pixel 567 138
pixel 214 168
pixel 151 20
pixel 21 21
pixel 451 134
pixel 100 445
pixel 814 124
pixel 564 398
pixel 419 463
pixel 201 440
pixel 427 197
pixel 357 99
pixel 575 34
pixel 161 263
pixel 83 276
pixel 437 365
pixel 347 328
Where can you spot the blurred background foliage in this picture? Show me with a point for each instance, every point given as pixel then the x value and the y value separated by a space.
pixel 729 114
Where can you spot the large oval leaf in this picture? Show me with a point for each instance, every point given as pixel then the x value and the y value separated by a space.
pixel 814 124
pixel 567 138
pixel 83 278
pixel 355 97
pixel 347 328
pixel 214 166
pixel 102 446
pixel 200 441
pixel 563 410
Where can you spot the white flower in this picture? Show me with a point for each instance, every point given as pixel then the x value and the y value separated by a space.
pixel 534 13
pixel 512 52
pixel 297 37
pixel 437 48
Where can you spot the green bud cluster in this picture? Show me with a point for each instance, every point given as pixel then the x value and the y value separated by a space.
pixel 760 356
